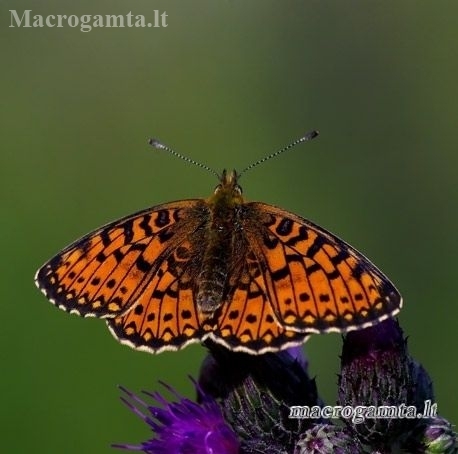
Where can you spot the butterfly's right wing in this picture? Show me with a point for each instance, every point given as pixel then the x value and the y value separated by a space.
pixel 314 281
pixel 104 273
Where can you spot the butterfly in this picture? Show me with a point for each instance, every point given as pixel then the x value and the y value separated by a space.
pixel 247 275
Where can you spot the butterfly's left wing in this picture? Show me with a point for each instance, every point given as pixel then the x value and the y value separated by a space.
pixel 315 282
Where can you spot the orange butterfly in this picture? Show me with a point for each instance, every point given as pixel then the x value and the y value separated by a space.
pixel 250 276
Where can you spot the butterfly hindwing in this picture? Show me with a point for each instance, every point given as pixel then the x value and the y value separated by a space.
pixel 166 317
pixel 247 321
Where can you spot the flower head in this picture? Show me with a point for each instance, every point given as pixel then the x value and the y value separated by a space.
pixel 183 426
pixel 256 392
pixel 377 371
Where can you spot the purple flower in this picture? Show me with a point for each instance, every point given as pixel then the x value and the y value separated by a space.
pixel 377 371
pixel 244 404
pixel 182 427
pixel 256 393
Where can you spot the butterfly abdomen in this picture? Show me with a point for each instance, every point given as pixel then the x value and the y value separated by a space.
pixel 213 275
pixel 217 256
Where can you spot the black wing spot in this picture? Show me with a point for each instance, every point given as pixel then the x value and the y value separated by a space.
pixel 344 300
pixel 128 232
pixel 270 241
pixel 176 215
pixel 251 318
pixel 313 268
pixel 294 258
pixel 333 275
pixel 167 317
pixel 158 294
pixel 185 314
pixel 340 257
pixel 144 225
pixel 72 274
pixel 280 274
pixel 358 271
pixel 288 301
pixel 105 238
pixel 165 235
pixel 285 227
pixel 302 236
pixel 138 309
pixel 233 315
pixel 303 297
pixel 316 246
pixel 142 264
pixel 111 283
pixel 118 255
pixel 162 219
pixel 359 297
pixel 324 298
pixel 151 317
pixel 95 281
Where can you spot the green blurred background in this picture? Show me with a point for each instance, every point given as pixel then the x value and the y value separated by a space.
pixel 226 83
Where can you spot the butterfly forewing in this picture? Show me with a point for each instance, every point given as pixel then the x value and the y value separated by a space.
pixel 315 281
pixel 104 273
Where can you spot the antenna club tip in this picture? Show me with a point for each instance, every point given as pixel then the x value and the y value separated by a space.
pixel 155 143
pixel 311 135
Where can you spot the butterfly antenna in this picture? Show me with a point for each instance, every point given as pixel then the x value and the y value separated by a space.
pixel 309 136
pixel 155 143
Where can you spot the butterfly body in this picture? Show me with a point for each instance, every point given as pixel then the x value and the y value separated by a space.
pixel 248 275
pixel 222 232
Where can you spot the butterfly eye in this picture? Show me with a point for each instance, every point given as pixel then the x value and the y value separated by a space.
pixel 237 190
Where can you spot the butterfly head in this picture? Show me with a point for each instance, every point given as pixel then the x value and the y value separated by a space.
pixel 228 190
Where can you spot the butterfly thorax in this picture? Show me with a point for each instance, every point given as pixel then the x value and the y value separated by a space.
pixel 224 208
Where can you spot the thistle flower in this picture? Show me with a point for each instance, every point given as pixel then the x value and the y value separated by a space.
pixel 182 427
pixel 256 393
pixel 244 404
pixel 378 371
